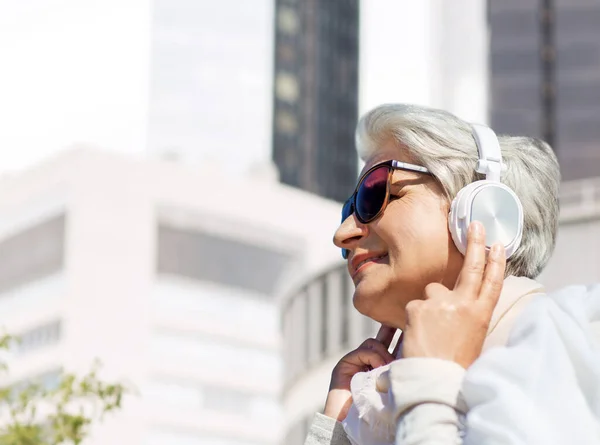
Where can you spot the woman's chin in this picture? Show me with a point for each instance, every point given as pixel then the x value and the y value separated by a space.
pixel 382 299
pixel 368 295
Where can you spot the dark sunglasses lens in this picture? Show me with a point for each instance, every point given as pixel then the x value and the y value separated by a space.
pixel 371 194
pixel 348 209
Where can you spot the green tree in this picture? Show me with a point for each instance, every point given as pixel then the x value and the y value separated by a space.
pixel 31 414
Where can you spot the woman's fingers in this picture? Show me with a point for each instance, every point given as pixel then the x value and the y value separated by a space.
pixel 385 335
pixel 372 358
pixel 493 278
pixel 471 274
pixel 371 353
pixel 379 348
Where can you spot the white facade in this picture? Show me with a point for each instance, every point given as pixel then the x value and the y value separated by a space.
pixel 171 78
pixel 168 275
pixel 312 340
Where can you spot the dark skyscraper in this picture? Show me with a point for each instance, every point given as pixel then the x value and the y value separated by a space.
pixel 316 95
pixel 545 76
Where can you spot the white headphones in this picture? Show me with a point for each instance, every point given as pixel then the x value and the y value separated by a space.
pixel 489 201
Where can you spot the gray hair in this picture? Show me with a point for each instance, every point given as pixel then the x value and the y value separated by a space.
pixel 445 145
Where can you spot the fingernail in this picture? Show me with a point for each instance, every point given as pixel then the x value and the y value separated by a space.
pixel 476 228
pixel 497 250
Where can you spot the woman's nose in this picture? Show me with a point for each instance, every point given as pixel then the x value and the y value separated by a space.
pixel 349 233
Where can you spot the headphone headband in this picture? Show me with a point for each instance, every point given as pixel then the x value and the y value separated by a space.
pixel 489 201
pixel 490 157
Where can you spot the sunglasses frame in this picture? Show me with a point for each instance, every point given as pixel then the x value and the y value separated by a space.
pixel 391 165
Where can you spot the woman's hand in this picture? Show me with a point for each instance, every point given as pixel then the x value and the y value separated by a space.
pixel 452 324
pixel 373 353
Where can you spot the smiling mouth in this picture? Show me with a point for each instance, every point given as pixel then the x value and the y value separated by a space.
pixel 376 259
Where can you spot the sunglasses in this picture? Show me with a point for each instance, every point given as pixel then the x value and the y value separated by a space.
pixel 372 194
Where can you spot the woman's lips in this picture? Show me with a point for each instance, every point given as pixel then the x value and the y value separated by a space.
pixel 362 265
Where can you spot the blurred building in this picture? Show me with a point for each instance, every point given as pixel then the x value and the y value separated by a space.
pixel 576 258
pixel 168 274
pixel 320 325
pixel 211 81
pixel 438 57
pixel 545 77
pixel 316 95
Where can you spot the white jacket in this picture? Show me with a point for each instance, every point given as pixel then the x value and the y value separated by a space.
pixel 537 381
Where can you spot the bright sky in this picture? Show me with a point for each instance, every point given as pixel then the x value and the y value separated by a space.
pixel 78 71
pixel 71 72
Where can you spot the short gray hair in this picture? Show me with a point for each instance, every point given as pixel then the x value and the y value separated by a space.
pixel 445 145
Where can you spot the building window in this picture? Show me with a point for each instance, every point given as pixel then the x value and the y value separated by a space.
pixel 286 87
pixel 38 338
pixel 288 21
pixel 32 254
pixel 286 53
pixel 49 381
pixel 208 257
pixel 286 123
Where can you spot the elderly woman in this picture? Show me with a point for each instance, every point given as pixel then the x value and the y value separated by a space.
pixel 452 293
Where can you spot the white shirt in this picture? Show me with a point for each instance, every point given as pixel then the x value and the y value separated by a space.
pixel 418 398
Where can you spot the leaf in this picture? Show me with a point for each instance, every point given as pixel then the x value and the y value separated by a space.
pixel 62 415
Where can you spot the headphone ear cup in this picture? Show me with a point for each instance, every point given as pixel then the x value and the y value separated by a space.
pixel 459 235
pixel 496 206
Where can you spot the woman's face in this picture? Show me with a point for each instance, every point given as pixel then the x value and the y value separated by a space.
pixel 406 248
